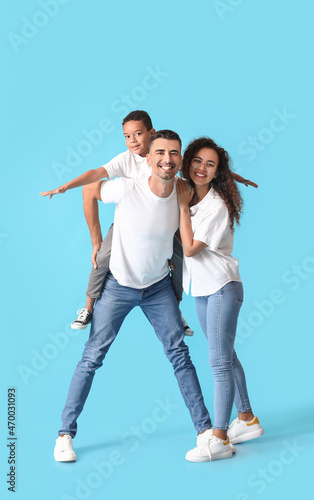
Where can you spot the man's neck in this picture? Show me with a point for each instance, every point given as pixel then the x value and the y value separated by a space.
pixel 161 188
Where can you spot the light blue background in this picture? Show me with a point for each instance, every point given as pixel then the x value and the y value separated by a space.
pixel 226 72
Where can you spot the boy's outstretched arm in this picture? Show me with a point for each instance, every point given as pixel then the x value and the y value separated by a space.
pixel 87 178
pixel 240 179
pixel 91 195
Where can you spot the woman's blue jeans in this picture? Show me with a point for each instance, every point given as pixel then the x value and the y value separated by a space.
pixel 160 306
pixel 218 316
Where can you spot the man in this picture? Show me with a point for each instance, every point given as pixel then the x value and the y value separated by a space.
pixel 146 218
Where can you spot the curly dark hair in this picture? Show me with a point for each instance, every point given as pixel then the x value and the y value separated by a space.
pixel 139 116
pixel 223 183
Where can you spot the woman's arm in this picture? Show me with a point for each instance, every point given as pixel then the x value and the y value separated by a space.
pixel 190 246
pixel 87 178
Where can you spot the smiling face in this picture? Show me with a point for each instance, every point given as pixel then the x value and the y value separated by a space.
pixel 137 137
pixel 165 158
pixel 203 167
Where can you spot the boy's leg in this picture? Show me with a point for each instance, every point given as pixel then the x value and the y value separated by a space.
pixel 111 309
pixel 95 284
pixel 176 278
pixel 176 275
pixel 97 276
pixel 160 307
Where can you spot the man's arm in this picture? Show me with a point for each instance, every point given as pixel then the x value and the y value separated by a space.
pixel 240 179
pixel 87 178
pixel 91 195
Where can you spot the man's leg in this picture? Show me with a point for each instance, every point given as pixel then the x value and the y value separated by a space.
pixel 111 309
pixel 160 307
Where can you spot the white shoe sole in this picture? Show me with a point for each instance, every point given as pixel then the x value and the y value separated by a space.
pixel 247 437
pixel 80 327
pixel 65 458
pixel 220 456
pixel 189 333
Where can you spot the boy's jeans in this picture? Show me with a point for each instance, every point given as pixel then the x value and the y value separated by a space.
pixel 97 276
pixel 218 316
pixel 159 305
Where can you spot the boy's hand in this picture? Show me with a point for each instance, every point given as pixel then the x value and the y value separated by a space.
pixel 59 190
pixel 95 251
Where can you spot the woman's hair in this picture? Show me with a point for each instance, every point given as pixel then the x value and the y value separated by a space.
pixel 223 183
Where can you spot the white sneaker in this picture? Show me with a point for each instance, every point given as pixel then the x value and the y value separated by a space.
pixel 205 436
pixel 213 449
pixel 63 451
pixel 240 430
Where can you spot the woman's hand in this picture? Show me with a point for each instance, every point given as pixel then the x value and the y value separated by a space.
pixel 184 193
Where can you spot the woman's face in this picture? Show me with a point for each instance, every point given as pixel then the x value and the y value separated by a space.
pixel 203 167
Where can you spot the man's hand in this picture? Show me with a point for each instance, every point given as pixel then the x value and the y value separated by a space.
pixel 95 251
pixel 184 193
pixel 59 190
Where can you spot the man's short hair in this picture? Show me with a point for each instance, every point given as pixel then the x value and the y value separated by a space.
pixel 170 135
pixel 137 116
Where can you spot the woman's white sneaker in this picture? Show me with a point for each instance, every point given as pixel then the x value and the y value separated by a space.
pixel 63 451
pixel 240 430
pixel 212 449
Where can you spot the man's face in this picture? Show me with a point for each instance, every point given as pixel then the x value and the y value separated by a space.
pixel 137 137
pixel 165 158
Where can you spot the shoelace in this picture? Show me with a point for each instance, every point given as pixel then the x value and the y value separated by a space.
pixel 83 313
pixel 235 422
pixel 65 442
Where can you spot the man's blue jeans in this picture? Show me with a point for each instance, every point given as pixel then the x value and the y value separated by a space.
pixel 218 316
pixel 160 306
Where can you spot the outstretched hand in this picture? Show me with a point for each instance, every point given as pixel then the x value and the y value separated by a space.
pixel 247 183
pixel 184 193
pixel 59 190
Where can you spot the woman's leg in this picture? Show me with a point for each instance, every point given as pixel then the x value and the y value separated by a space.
pixel 219 321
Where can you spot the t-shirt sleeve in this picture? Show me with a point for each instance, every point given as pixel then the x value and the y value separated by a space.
pixel 113 191
pixel 212 229
pixel 116 167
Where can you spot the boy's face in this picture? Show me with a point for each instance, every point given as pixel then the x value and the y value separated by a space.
pixel 137 137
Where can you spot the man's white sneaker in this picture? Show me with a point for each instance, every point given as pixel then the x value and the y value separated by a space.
pixel 213 449
pixel 240 430
pixel 63 451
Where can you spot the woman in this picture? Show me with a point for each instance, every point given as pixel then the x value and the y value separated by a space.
pixel 210 203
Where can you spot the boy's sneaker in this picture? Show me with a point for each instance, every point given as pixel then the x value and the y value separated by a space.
pixel 84 318
pixel 188 331
pixel 240 430
pixel 63 451
pixel 205 436
pixel 213 449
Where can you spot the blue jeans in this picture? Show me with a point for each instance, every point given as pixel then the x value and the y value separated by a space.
pixel 160 306
pixel 218 316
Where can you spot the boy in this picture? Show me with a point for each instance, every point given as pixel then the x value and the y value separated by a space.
pixel 137 129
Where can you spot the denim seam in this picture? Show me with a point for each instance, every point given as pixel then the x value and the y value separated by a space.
pixel 219 358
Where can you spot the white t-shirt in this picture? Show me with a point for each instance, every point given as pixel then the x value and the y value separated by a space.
pixel 144 226
pixel 129 165
pixel 214 267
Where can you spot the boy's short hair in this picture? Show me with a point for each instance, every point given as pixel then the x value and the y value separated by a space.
pixel 170 135
pixel 137 116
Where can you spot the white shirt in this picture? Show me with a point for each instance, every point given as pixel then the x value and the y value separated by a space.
pixel 129 165
pixel 144 226
pixel 214 267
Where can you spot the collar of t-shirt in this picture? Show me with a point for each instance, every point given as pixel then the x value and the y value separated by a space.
pixel 211 195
